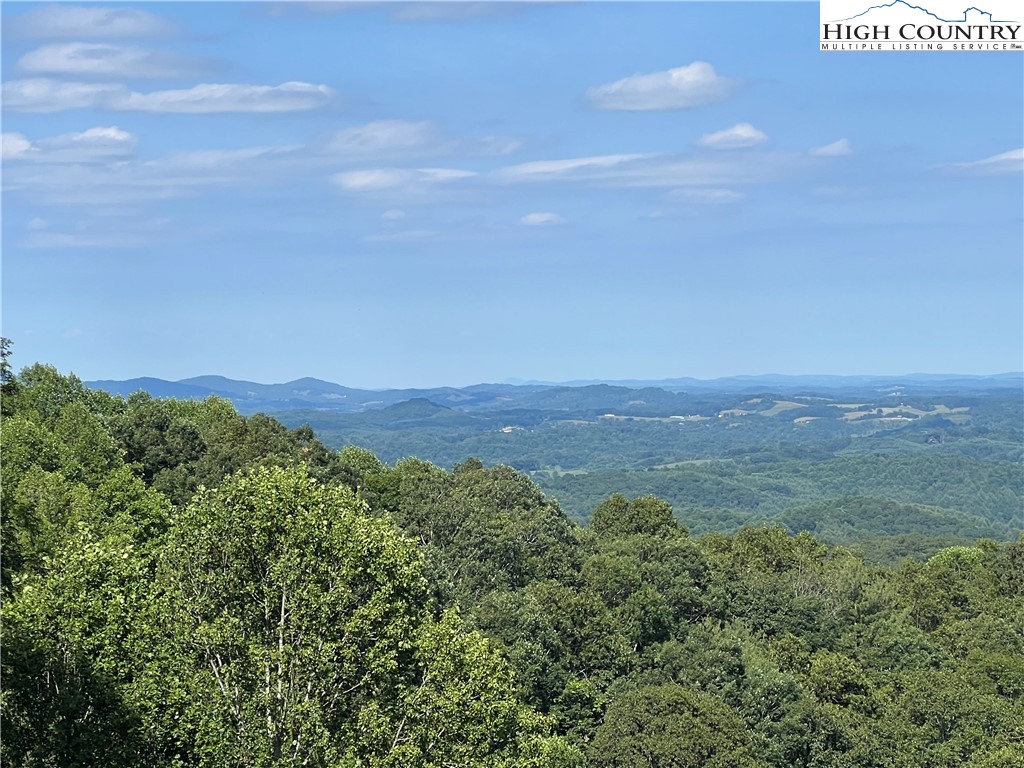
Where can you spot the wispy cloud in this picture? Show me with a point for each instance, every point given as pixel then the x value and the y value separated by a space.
pixel 541 170
pixel 426 10
pixel 46 95
pixel 705 196
pixel 693 85
pixel 405 236
pixel 384 138
pixel 69 21
pixel 495 145
pixel 447 11
pixel 713 173
pixel 247 159
pixel 14 145
pixel 841 192
pixel 108 60
pixel 97 167
pixel 100 169
pixel 1007 162
pixel 387 139
pixel 75 240
pixel 541 219
pixel 740 136
pixel 100 144
pixel 95 233
pixel 644 170
pixel 841 148
pixel 407 179
pixel 105 184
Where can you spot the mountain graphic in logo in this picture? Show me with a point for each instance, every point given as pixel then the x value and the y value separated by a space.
pixel 972 14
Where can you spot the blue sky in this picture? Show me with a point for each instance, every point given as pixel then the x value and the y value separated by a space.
pixel 423 194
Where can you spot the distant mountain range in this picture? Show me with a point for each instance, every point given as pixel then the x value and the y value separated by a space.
pixel 310 393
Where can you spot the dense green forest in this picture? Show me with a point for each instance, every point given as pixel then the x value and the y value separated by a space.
pixel 187 586
pixel 725 458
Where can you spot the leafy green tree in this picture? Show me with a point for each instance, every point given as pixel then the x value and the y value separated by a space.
pixel 592 646
pixel 491 528
pixel 296 611
pixel 935 723
pixel 520 625
pixel 670 726
pixel 8 382
pixel 616 517
pixel 76 641
pixel 955 583
pixel 1013 570
pixel 42 393
pixel 357 465
pixel 838 679
pixel 88 451
pixel 303 623
pixel 462 710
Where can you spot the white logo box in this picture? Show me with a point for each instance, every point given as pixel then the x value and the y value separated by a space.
pixel 929 25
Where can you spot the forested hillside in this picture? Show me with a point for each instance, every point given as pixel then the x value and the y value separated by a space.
pixel 187 586
pixel 721 456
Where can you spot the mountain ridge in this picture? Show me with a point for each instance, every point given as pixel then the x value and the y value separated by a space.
pixel 312 393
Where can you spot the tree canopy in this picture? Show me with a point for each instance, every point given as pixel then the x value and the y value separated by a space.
pixel 185 586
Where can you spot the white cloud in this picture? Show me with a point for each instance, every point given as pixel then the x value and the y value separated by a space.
pixel 219 160
pixel 405 138
pixel 553 169
pixel 433 175
pixel 70 240
pixel 497 145
pixel 374 179
pixel 541 219
pixel 58 20
pixel 89 145
pixel 841 192
pixel 1007 162
pixel 384 137
pixel 705 196
pixel 214 97
pixel 113 184
pixel 97 167
pixel 418 10
pixel 14 145
pixel 45 95
pixel 693 85
pixel 98 233
pixel 104 59
pixel 702 170
pixel 407 236
pixel 446 11
pixel 740 136
pixel 839 148
pixel 36 224
pixel 92 145
pixel 378 179
pixel 394 214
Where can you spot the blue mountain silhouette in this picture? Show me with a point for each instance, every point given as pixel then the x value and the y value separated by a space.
pixel 933 15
